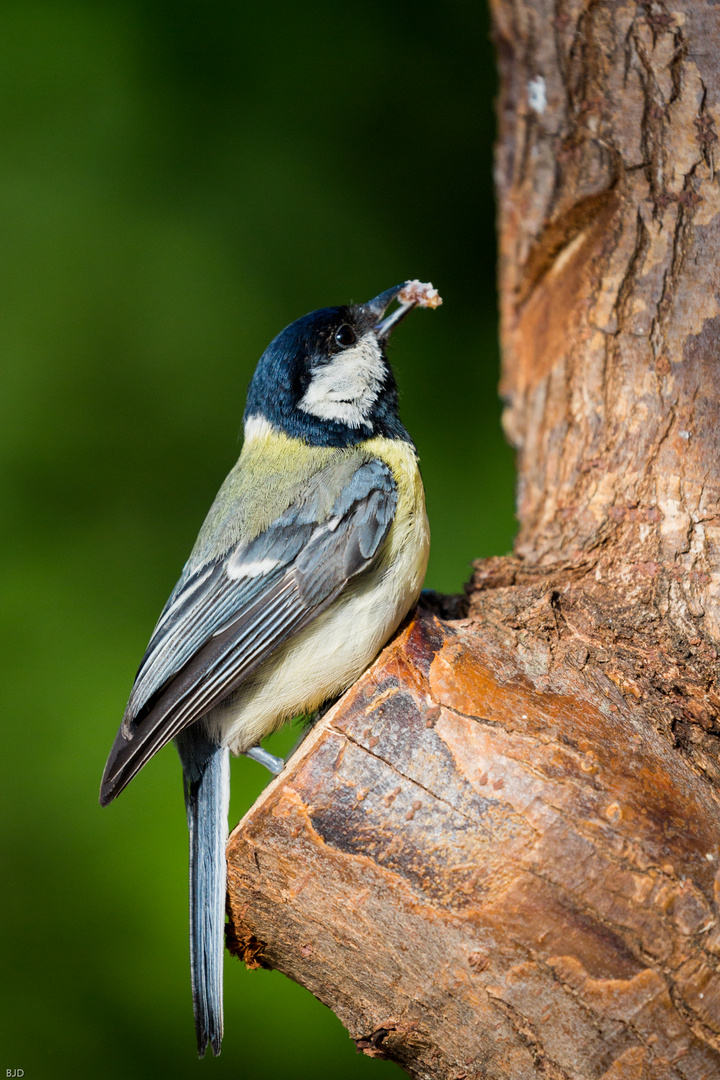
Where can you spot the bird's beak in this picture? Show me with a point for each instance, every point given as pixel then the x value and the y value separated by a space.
pixel 376 309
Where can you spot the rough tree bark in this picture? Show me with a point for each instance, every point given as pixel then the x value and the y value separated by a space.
pixel 499 854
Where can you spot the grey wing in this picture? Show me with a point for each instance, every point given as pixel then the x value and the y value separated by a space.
pixel 225 619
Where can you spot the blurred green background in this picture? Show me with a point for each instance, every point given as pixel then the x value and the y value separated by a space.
pixel 178 181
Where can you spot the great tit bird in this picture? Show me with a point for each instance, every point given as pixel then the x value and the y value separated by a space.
pixel 311 555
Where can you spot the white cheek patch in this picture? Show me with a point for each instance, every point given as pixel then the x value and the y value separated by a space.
pixel 346 388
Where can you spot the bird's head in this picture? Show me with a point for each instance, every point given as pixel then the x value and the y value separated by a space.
pixel 326 379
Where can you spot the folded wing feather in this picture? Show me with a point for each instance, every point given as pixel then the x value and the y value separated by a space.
pixel 224 620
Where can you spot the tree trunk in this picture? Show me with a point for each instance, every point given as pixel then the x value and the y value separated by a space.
pixel 499 855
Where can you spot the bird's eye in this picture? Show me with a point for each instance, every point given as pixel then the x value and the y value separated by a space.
pixel 345 336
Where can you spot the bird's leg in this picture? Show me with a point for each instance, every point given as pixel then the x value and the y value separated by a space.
pixel 272 763
pixel 275 764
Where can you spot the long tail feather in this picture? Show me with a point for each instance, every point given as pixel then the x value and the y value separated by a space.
pixel 206 776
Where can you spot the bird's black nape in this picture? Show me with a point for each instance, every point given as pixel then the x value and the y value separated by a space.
pixel 326 379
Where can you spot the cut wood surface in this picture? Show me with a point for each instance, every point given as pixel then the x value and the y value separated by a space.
pixel 498 856
pixel 485 870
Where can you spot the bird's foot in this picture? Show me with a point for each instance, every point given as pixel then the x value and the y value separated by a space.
pixel 310 720
pixel 273 764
